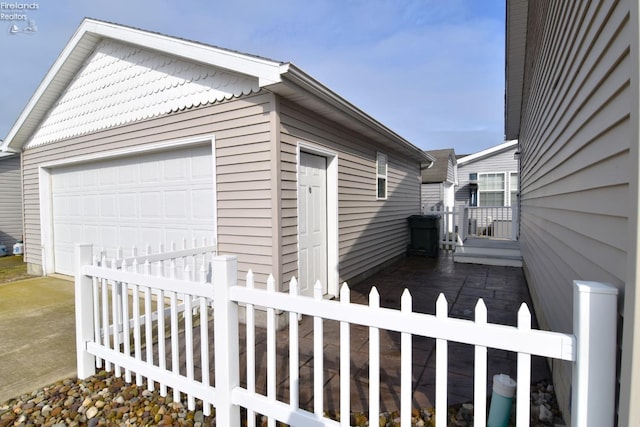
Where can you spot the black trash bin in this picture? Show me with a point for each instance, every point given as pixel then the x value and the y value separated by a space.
pixel 424 235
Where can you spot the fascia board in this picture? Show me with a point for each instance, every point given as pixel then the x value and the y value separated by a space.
pixel 267 72
pixel 487 152
pixel 8 144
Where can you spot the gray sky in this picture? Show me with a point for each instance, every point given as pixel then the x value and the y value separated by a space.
pixel 431 70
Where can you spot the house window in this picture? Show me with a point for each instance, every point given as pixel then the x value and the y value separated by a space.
pixel 491 189
pixel 381 172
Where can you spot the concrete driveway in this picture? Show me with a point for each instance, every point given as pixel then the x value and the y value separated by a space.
pixel 37 334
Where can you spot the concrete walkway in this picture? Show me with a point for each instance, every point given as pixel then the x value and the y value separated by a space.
pixel 37 334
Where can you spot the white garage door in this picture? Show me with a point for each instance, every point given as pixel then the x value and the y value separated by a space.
pixel 133 201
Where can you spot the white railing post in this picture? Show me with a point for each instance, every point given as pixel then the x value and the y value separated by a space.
pixel 465 223
pixel 84 311
pixel 227 366
pixel 594 371
pixel 515 219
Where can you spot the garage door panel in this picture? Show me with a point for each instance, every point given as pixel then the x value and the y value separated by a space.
pixel 151 199
pixel 91 233
pixel 90 206
pixel 150 204
pixel 128 205
pixel 175 204
pixel 202 202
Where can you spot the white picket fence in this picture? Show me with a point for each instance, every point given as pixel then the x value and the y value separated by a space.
pixel 107 322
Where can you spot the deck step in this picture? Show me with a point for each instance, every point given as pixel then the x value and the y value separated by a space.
pixel 487 259
pixel 487 251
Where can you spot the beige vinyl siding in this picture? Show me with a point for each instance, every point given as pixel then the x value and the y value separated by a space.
pixel 370 231
pixel 575 159
pixel 10 201
pixel 241 129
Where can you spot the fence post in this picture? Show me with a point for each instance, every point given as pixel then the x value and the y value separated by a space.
pixel 594 371
pixel 225 324
pixel 465 223
pixel 515 219
pixel 86 363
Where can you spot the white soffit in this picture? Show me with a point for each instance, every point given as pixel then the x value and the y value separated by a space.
pixel 120 84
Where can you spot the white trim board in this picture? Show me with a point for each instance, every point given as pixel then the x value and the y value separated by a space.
pixel 333 271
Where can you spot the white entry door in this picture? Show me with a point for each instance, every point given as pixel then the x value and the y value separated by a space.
pixel 312 222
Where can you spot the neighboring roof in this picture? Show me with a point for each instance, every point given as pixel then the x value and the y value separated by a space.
pixel 516 41
pixel 488 152
pixel 282 78
pixel 438 172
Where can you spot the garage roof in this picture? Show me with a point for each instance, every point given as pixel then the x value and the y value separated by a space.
pixel 283 78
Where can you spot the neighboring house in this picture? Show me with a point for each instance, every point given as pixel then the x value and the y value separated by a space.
pixel 573 103
pixel 136 137
pixel 439 181
pixel 488 177
pixel 488 184
pixel 10 200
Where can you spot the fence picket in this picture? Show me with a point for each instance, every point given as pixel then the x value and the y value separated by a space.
pixel 106 340
pixel 271 351
pixel 175 345
pixel 116 313
pixel 251 351
pixel 374 361
pixel 95 283
pixel 294 355
pixel 318 356
pixel 162 351
pixel 524 372
pixel 125 335
pixel 480 372
pixel 442 312
pixel 204 346
pixel 188 337
pixel 345 361
pixel 136 329
pixel 148 326
pixel 406 306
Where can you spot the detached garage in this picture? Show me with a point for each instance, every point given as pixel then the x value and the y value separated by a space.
pixel 137 138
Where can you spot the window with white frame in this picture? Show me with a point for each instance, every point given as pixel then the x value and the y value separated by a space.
pixel 491 189
pixel 381 175
pixel 497 188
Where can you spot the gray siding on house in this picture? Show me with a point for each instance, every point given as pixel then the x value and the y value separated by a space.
pixel 243 172
pixel 574 137
pixel 432 196
pixel 10 201
pixel 451 177
pixel 370 231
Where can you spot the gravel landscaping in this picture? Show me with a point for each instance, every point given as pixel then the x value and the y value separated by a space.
pixel 104 400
